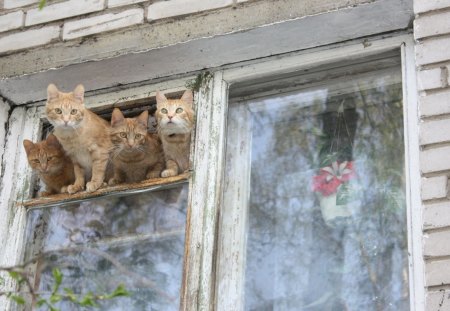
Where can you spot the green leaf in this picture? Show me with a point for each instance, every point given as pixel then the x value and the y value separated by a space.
pixel 18 299
pixel 2 281
pixel 70 294
pixel 41 302
pixel 119 291
pixel 57 275
pixel 55 298
pixel 52 308
pixel 42 4
pixel 88 301
pixel 15 275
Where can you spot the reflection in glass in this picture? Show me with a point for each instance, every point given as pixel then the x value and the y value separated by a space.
pixel 136 240
pixel 301 252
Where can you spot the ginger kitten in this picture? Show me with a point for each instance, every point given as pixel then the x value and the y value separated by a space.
pixel 175 119
pixel 137 154
pixel 83 135
pixel 52 164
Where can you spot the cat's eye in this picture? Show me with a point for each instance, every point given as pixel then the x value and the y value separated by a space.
pixel 49 158
pixel 179 110
pixel 36 161
pixel 123 134
pixel 73 111
pixel 138 136
pixel 58 111
pixel 164 110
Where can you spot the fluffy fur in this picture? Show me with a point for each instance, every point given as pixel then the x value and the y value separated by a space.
pixel 175 119
pixel 83 135
pixel 53 166
pixel 137 154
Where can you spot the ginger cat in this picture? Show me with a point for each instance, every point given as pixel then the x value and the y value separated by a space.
pixel 83 135
pixel 175 119
pixel 137 154
pixel 52 164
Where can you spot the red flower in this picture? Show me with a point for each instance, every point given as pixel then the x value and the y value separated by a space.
pixel 331 177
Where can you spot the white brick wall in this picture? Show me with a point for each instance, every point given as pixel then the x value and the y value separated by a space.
pixel 434 187
pixel 29 38
pixel 11 4
pixel 63 10
pixel 171 8
pixel 11 21
pixel 422 6
pixel 433 78
pixel 438 300
pixel 431 25
pixel 436 244
pixel 116 3
pixel 433 51
pixel 434 104
pixel 101 23
pixel 435 159
pixel 437 273
pixel 435 131
pixel 436 215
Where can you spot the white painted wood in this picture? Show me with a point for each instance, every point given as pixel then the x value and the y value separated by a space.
pixel 205 195
pixel 4 110
pixel 412 171
pixel 23 124
pixel 231 253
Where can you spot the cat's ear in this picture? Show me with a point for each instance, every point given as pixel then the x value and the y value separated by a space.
pixel 52 140
pixel 188 97
pixel 78 93
pixel 28 145
pixel 52 92
pixel 117 116
pixel 143 118
pixel 160 98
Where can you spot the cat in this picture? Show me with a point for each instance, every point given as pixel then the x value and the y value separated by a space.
pixel 83 135
pixel 52 164
pixel 175 119
pixel 137 154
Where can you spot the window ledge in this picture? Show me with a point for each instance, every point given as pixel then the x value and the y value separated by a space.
pixel 147 185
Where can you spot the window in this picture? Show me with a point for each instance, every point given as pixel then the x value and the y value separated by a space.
pixel 226 230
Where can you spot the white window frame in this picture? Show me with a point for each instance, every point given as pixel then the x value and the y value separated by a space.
pixel 210 274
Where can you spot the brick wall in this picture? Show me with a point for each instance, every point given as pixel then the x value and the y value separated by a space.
pixel 23 25
pixel 432 34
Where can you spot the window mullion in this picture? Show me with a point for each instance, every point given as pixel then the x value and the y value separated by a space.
pixel 205 194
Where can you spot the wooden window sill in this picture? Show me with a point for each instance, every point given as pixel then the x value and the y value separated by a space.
pixel 64 198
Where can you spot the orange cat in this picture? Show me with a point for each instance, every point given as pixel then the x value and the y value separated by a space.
pixel 83 135
pixel 175 122
pixel 52 164
pixel 137 154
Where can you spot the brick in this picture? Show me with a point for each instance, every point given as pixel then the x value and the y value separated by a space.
pixel 438 300
pixel 101 23
pixel 433 51
pixel 434 187
pixel 421 6
pixel 436 131
pixel 436 215
pixel 29 38
pixel 11 4
pixel 432 25
pixel 116 3
pixel 432 78
pixel 11 21
pixel 63 10
pixel 437 272
pixel 434 104
pixel 171 8
pixel 436 244
pixel 435 159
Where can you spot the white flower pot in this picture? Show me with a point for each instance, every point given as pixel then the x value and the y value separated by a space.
pixel 331 211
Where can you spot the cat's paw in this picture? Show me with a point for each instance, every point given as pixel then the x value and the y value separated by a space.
pixel 112 182
pixel 74 188
pixel 168 173
pixel 45 193
pixel 152 174
pixel 64 189
pixel 93 185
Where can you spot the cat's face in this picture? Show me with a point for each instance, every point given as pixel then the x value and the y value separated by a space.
pixel 175 116
pixel 65 110
pixel 128 134
pixel 47 156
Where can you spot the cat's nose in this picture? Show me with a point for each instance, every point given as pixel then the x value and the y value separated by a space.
pixel 170 117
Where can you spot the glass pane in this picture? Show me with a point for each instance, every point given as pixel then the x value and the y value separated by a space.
pixel 136 240
pixel 327 215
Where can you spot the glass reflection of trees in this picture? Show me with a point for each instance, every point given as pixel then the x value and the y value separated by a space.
pixel 137 240
pixel 294 260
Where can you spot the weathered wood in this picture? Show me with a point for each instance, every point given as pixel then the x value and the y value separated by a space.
pixel 146 185
pixel 205 196
pixel 234 212
pixel 4 109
